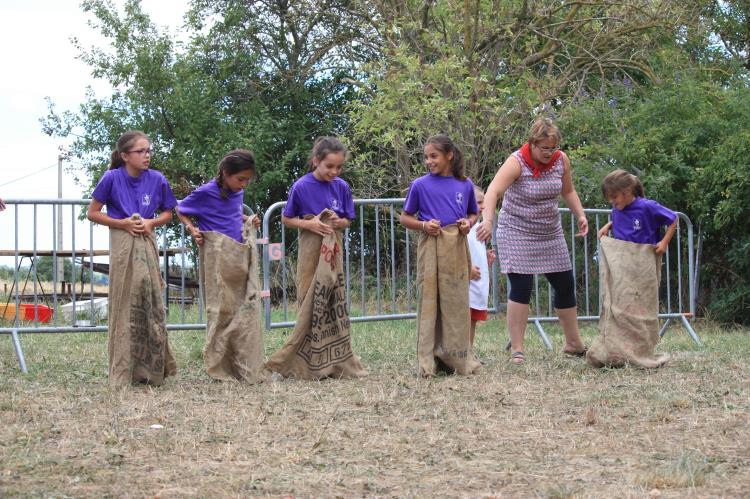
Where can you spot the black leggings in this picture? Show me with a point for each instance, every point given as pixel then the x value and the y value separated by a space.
pixel 562 283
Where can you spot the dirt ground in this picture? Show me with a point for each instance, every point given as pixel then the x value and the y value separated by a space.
pixel 551 428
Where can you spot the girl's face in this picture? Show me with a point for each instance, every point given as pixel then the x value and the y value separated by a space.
pixel 620 199
pixel 329 167
pixel 138 158
pixel 438 162
pixel 480 199
pixel 237 182
pixel 542 151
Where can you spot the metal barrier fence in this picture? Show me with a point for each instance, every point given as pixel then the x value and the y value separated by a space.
pixel 379 257
pixel 380 270
pixel 74 305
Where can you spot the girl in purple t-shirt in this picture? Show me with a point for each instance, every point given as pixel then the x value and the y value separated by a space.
pixel 442 205
pixel 217 205
pixel 442 197
pixel 138 345
pixel 321 188
pixel 635 218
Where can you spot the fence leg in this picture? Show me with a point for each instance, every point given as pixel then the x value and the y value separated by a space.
pixel 19 351
pixel 690 330
pixel 663 329
pixel 542 335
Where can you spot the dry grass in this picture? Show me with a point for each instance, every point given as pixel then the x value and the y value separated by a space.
pixel 551 428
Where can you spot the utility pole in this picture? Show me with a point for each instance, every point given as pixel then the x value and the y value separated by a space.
pixel 60 260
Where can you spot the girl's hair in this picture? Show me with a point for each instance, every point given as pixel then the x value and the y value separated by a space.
pixel 621 181
pixel 324 146
pixel 124 144
pixel 445 145
pixel 235 161
pixel 543 128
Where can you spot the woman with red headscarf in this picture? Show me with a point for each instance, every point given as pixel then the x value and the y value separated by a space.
pixel 530 238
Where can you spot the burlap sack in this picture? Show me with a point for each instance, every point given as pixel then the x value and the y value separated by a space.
pixel 629 275
pixel 443 319
pixel 229 275
pixel 320 345
pixel 138 344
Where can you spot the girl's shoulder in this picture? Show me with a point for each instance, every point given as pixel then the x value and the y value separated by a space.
pixel 649 203
pixel 209 187
pixel 341 182
pixel 656 206
pixel 155 174
pixel 207 190
pixel 304 179
pixel 424 179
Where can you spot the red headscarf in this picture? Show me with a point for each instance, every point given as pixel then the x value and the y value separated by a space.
pixel 537 168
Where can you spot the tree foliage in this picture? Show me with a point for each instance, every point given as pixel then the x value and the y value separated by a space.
pixel 656 87
pixel 266 76
pixel 480 71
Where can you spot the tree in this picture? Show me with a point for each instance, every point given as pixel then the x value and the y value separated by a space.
pixel 267 76
pixel 480 70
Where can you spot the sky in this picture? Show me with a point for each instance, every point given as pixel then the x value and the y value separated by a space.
pixel 38 60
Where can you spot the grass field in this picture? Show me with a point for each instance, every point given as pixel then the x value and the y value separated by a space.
pixel 551 428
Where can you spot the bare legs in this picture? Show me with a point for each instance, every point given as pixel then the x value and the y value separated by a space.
pixel 569 322
pixel 517 317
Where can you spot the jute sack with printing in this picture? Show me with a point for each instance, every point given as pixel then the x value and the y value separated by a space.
pixel 320 345
pixel 138 344
pixel 629 275
pixel 443 319
pixel 229 275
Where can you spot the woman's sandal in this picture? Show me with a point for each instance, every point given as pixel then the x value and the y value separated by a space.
pixel 517 358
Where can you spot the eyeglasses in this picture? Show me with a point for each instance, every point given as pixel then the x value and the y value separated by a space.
pixel 142 152
pixel 548 149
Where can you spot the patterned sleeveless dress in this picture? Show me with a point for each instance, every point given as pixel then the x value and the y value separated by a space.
pixel 530 238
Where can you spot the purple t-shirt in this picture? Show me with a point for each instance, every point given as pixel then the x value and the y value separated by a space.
pixel 446 199
pixel 641 221
pixel 125 195
pixel 214 213
pixel 310 196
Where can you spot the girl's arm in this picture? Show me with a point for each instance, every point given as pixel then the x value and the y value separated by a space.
pixel 254 218
pixel 313 224
pixel 661 246
pixel 411 222
pixel 572 201
pixel 339 223
pixel 465 224
pixel 96 215
pixel 190 226
pixel 604 230
pixel 150 224
pixel 506 175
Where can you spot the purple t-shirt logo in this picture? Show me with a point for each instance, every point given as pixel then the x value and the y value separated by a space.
pixel 460 198
pixel 334 204
pixel 146 200
pixel 636 224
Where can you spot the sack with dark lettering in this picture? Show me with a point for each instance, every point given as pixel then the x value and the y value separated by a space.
pixel 138 344
pixel 320 345
pixel 443 318
pixel 229 274
pixel 629 275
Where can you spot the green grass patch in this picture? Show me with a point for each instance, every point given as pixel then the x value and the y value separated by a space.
pixel 553 427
